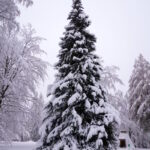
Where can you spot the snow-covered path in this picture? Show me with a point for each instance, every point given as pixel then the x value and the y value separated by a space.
pixel 18 146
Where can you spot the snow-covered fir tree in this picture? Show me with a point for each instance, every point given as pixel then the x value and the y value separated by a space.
pixel 78 116
pixel 139 93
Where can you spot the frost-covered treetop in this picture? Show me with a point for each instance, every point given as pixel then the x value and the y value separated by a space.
pixel 139 91
pixel 141 73
pixel 77 15
pixel 77 42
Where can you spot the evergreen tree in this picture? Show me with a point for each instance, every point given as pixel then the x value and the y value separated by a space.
pixel 78 116
pixel 139 93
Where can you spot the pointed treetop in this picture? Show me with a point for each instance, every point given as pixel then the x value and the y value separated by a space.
pixel 76 2
pixel 77 15
pixel 141 59
pixel 141 56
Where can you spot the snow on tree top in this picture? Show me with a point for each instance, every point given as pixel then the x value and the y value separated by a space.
pixel 73 98
pixel 82 15
pixel 80 42
pixel 75 10
pixel 77 34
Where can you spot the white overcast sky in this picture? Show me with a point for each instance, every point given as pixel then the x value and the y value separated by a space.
pixel 122 28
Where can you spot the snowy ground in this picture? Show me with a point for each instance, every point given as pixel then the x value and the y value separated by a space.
pixel 132 149
pixel 141 149
pixel 29 146
pixel 18 146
